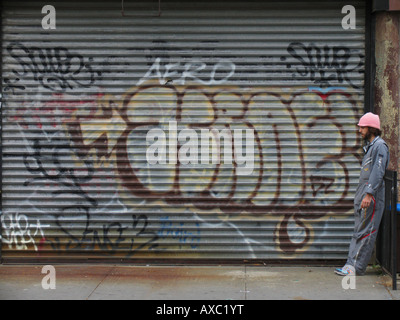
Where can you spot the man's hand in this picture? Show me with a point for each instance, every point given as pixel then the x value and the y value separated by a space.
pixel 366 201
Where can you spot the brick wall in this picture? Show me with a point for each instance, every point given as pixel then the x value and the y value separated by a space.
pixel 387 81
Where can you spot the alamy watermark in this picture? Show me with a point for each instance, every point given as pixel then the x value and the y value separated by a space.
pixel 49 20
pixel 49 280
pixel 348 21
pixel 202 146
pixel 349 282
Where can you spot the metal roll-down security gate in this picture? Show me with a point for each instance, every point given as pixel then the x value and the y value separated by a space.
pixel 189 131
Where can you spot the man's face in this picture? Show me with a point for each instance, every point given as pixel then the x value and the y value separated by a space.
pixel 364 132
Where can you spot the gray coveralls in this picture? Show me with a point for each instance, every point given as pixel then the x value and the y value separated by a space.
pixel 375 162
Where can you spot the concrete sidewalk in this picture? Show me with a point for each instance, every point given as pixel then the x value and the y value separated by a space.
pixel 149 282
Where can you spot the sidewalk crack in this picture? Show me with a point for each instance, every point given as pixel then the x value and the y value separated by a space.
pixel 102 280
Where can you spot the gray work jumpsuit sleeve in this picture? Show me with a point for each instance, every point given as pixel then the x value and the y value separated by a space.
pixel 366 222
pixel 380 159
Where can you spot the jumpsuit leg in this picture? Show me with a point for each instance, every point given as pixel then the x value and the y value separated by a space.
pixel 354 243
pixel 364 236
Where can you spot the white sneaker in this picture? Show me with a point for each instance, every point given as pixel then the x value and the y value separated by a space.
pixel 347 270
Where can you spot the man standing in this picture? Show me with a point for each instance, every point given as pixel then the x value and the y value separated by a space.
pixel 369 200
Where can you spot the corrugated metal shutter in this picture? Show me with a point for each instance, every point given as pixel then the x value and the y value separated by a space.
pixel 81 101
